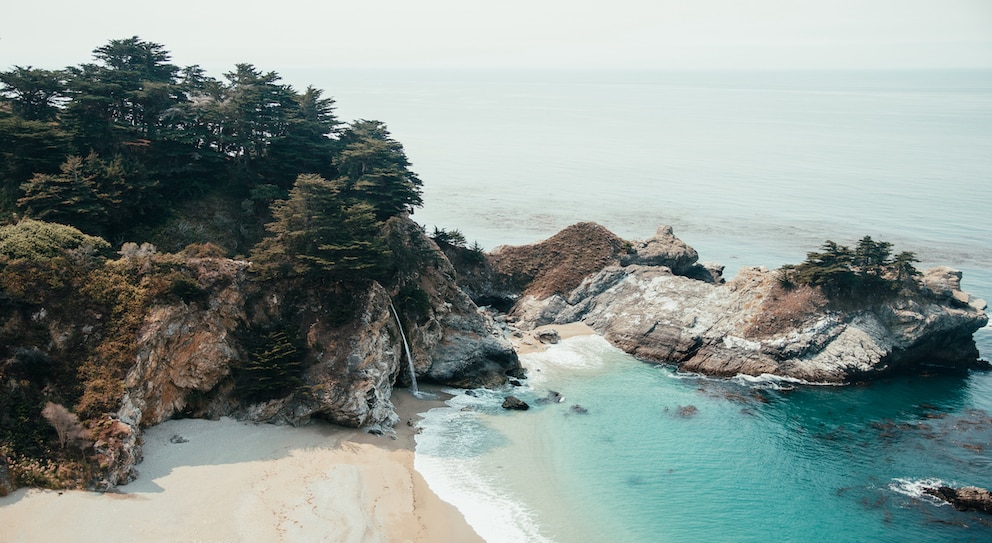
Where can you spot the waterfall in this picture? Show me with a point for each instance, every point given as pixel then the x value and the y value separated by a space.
pixel 406 347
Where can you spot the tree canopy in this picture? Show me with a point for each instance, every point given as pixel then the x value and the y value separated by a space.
pixel 319 232
pixel 115 145
pixel 867 271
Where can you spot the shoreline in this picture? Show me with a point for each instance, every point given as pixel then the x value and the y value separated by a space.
pixel 234 481
pixel 528 343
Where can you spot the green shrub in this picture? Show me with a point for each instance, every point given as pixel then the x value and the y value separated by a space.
pixel 38 240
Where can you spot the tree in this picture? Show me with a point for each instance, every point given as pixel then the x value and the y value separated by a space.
pixel 317 232
pixel 34 94
pixel 872 256
pixel 92 194
pixel 122 97
pixel 256 109
pixel 307 145
pixel 903 264
pixel 27 148
pixel 863 274
pixel 375 169
pixel 70 197
pixel 67 425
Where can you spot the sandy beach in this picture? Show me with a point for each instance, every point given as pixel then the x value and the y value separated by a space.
pixel 229 481
pixel 242 482
pixel 529 343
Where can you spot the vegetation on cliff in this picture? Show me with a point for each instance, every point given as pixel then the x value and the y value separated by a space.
pixel 867 273
pixel 131 148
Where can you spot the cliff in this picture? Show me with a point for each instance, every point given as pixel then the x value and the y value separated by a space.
pixel 281 351
pixel 658 304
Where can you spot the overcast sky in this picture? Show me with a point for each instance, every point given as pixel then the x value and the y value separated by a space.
pixel 656 34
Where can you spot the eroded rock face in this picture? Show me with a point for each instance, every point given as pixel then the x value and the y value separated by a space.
pixel 454 343
pixel 657 315
pixel 188 352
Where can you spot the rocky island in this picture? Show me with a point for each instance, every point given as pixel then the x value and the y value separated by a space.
pixel 654 300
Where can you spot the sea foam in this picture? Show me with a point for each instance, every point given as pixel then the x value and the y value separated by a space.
pixel 450 454
pixel 914 489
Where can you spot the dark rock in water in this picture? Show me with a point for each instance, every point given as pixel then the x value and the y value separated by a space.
pixel 472 393
pixel 516 383
pixel 968 498
pixel 578 409
pixel 515 403
pixel 686 411
pixel 548 336
pixel 178 439
pixel 553 397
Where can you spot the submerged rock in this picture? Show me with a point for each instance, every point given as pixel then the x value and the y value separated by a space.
pixel 553 397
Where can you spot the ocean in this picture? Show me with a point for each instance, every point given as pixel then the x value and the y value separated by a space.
pixel 751 169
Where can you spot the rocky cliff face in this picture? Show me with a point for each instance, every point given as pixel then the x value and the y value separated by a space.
pixel 652 312
pixel 349 353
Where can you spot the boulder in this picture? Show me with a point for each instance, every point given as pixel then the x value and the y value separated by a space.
pixel 553 396
pixel 663 249
pixel 967 498
pixel 515 403
pixel 549 336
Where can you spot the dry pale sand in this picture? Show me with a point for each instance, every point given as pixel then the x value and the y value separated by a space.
pixel 243 482
pixel 530 344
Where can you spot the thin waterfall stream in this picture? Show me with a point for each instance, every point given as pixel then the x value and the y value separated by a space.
pixel 409 358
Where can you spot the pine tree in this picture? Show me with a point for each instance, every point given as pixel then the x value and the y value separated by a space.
pixel 316 232
pixel 375 168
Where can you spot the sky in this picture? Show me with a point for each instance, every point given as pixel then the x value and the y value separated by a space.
pixel 538 34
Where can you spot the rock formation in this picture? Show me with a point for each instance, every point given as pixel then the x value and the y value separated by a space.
pixel 663 307
pixel 188 353
pixel 514 403
pixel 967 498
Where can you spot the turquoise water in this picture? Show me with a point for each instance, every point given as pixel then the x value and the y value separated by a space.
pixel 666 457
pixel 750 169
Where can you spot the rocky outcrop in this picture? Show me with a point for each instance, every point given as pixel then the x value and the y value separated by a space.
pixel 664 249
pixel 515 404
pixel 188 349
pixel 968 498
pixel 350 369
pixel 189 352
pixel 453 341
pixel 752 325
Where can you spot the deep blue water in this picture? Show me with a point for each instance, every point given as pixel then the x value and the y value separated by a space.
pixel 750 169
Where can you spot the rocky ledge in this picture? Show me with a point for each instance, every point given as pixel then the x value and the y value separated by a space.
pixel 656 302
